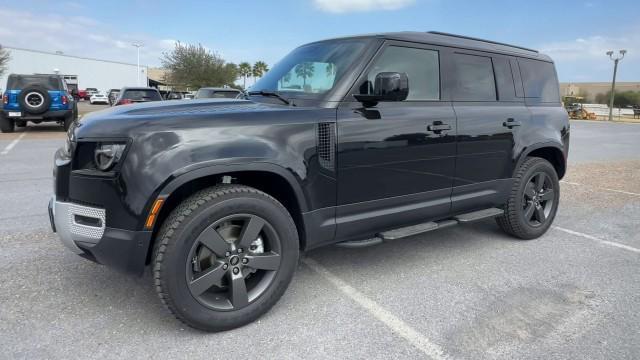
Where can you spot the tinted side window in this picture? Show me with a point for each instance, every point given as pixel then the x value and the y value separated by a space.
pixel 474 80
pixel 539 79
pixel 504 79
pixel 421 66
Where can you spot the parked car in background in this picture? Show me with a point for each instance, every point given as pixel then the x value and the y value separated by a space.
pixel 113 96
pixel 88 92
pixel 36 98
pixel 99 98
pixel 213 92
pixel 405 133
pixel 131 95
pixel 189 95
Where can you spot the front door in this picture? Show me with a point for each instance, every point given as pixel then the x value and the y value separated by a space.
pixel 395 160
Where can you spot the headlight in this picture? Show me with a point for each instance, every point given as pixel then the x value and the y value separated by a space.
pixel 107 155
pixel 69 146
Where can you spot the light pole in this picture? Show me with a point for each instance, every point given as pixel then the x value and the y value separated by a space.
pixel 138 46
pixel 613 83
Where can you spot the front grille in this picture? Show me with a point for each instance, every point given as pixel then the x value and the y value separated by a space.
pixel 326 145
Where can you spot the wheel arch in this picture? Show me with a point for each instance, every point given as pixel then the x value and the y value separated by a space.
pixel 551 152
pixel 272 179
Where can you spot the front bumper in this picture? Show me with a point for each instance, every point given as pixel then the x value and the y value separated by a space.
pixel 83 230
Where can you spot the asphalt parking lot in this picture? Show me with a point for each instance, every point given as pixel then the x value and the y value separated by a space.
pixel 467 292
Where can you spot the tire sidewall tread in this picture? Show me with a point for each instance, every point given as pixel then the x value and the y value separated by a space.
pixel 176 237
pixel 512 221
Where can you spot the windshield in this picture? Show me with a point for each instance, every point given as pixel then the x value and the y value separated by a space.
pixel 18 82
pixel 142 95
pixel 211 93
pixel 312 70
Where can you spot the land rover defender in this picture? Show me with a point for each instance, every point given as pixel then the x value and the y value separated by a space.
pixel 351 141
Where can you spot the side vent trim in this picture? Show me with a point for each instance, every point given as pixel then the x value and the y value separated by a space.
pixel 326 145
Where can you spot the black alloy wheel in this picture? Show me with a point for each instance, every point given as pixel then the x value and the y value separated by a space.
pixel 533 201
pixel 538 199
pixel 224 256
pixel 233 262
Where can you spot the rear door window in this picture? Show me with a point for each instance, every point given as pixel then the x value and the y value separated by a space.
pixel 473 78
pixel 539 79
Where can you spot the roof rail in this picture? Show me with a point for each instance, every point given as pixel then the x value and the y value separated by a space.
pixel 478 39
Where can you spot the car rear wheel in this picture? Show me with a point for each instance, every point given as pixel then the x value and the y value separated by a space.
pixel 224 257
pixel 533 202
pixel 6 125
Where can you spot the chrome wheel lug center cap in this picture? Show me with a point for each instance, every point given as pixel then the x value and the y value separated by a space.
pixel 234 260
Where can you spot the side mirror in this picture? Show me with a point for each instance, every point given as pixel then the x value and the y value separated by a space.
pixel 388 86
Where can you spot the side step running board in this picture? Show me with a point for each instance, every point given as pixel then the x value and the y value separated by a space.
pixel 409 231
pixel 479 215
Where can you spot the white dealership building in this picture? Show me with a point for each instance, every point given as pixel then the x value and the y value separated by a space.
pixel 80 71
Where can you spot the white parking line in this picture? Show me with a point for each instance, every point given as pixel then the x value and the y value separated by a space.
pixel 602 241
pixel 606 189
pixel 396 325
pixel 6 150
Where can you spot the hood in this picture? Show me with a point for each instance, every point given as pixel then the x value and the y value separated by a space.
pixel 120 121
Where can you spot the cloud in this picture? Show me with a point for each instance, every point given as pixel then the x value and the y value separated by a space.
pixel 345 6
pixel 585 59
pixel 81 36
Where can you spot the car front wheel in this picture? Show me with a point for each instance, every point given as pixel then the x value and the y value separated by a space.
pixel 533 201
pixel 224 257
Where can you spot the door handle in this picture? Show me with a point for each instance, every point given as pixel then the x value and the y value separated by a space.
pixel 510 123
pixel 438 127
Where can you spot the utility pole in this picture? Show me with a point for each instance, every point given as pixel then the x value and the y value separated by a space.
pixel 138 46
pixel 613 83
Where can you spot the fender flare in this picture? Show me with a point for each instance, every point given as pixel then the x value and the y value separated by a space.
pixel 177 181
pixel 529 149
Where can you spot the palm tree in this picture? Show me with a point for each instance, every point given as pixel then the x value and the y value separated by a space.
pixel 331 69
pixel 285 79
pixel 305 70
pixel 244 69
pixel 259 68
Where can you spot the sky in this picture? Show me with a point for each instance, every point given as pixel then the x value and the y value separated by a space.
pixel 576 34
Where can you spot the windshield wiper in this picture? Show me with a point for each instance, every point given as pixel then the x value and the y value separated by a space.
pixel 272 94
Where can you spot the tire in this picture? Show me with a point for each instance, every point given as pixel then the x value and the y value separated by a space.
pixel 6 125
pixel 34 99
pixel 181 257
pixel 528 216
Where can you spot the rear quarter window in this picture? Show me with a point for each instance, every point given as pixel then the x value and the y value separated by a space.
pixel 539 80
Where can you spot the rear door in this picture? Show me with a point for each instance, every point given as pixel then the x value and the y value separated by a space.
pixel 394 167
pixel 489 113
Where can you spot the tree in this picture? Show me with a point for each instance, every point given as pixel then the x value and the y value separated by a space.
pixel 244 70
pixel 305 70
pixel 4 59
pixel 622 98
pixel 193 66
pixel 259 68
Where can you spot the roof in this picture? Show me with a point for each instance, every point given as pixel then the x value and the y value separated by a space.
pixel 452 40
pixel 70 56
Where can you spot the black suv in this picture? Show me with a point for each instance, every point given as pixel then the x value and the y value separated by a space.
pixel 353 141
pixel 37 98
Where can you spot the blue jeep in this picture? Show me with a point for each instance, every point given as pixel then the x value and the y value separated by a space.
pixel 36 98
